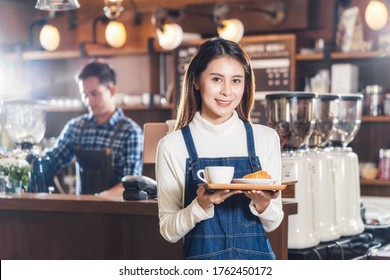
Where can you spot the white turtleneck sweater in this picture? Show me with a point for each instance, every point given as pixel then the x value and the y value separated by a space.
pixel 211 141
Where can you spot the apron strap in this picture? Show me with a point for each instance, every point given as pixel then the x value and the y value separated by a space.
pixel 193 156
pixel 81 134
pixel 116 131
pixel 250 140
pixel 189 141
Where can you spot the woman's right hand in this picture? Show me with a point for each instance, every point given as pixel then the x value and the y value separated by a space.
pixel 206 200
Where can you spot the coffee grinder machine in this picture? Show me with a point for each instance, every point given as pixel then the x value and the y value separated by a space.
pixel 348 111
pixel 291 115
pixel 322 169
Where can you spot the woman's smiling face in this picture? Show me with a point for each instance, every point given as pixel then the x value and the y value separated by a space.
pixel 221 87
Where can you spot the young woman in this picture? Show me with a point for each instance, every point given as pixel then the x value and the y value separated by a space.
pixel 213 128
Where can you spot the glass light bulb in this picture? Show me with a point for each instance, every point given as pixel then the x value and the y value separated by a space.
pixel 113 8
pixel 49 37
pixel 57 5
pixel 115 34
pixel 232 30
pixel 170 36
pixel 376 15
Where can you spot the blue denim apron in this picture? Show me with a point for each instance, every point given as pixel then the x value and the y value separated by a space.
pixel 234 232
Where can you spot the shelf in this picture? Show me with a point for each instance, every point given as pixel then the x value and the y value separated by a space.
pixel 340 55
pixel 146 107
pixel 101 51
pixel 90 51
pixel 375 118
pixel 55 109
pixel 375 182
pixel 40 55
pixel 44 55
pixel 311 56
pixel 375 187
pixel 124 108
pixel 373 54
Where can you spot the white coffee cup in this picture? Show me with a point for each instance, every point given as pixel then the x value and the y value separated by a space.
pixel 216 174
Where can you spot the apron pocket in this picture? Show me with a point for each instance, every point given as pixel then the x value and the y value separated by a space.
pixel 245 217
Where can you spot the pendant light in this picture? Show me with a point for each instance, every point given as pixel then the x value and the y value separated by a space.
pixel 57 5
pixel 169 36
pixel 113 8
pixel 231 29
pixel 115 34
pixel 376 15
pixel 49 37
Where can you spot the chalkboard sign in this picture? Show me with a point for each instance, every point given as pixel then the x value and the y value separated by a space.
pixel 183 56
pixel 272 58
pixel 273 63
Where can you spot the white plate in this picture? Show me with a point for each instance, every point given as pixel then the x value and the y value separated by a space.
pixel 254 181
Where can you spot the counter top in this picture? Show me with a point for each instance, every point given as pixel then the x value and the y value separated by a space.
pixel 78 204
pixel 93 204
pixel 62 226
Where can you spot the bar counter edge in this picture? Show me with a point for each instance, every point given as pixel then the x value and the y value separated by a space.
pixel 61 226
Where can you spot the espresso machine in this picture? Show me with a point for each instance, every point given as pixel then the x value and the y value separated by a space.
pixel 322 169
pixel 348 111
pixel 291 114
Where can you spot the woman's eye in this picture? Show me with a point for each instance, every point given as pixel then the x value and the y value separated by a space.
pixel 217 79
pixel 236 81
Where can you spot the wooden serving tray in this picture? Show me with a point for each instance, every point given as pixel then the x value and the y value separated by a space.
pixel 288 187
pixel 243 187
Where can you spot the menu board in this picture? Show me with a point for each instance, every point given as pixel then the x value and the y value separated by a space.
pixel 272 59
pixel 183 56
pixel 273 62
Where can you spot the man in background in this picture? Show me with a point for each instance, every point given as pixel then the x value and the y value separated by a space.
pixel 105 144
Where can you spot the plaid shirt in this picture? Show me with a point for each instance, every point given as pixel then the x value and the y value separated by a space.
pixel 126 149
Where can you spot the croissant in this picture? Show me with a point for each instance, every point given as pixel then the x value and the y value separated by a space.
pixel 261 174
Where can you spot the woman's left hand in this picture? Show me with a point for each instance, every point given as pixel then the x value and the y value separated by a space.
pixel 261 199
pixel 206 199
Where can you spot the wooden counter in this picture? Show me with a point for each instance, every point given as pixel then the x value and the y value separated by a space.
pixel 59 226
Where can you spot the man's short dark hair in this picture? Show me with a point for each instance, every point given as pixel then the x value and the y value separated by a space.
pixel 104 72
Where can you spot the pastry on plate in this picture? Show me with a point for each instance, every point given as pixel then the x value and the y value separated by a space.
pixel 261 174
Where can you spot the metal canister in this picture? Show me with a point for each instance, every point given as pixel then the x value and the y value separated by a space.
pixel 384 164
pixel 373 100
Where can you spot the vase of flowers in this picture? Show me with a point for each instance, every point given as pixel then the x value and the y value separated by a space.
pixel 17 172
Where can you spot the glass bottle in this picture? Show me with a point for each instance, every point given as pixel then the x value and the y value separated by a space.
pixel 384 164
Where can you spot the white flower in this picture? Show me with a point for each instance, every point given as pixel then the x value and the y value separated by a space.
pixel 16 169
pixel 8 162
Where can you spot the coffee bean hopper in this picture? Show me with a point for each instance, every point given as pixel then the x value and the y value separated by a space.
pixel 322 168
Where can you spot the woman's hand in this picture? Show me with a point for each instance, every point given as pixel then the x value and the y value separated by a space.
pixel 206 200
pixel 261 199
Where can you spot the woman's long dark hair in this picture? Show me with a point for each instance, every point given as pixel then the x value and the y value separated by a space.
pixel 190 100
